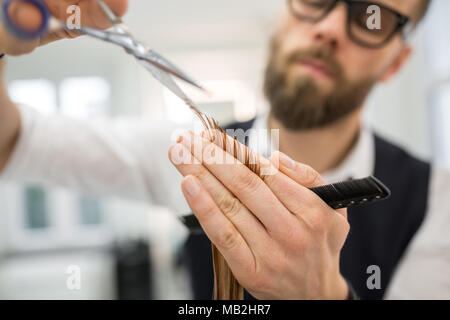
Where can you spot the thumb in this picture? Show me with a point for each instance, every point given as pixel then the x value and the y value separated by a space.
pixel 25 16
pixel 299 172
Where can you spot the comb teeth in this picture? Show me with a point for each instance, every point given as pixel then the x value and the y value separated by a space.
pixel 352 193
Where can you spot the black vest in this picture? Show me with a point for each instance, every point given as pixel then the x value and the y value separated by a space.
pixel 379 235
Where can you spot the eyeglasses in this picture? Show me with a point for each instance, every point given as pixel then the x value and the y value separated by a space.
pixel 369 24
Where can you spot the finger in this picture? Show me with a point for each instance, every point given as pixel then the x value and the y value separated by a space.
pixel 219 229
pixel 91 15
pixel 58 35
pixel 300 173
pixel 245 222
pixel 13 46
pixel 25 15
pixel 98 19
pixel 243 183
pixel 304 175
pixel 297 198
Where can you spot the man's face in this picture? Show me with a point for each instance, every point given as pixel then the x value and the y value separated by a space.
pixel 317 75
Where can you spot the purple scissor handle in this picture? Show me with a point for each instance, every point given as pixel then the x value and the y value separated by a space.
pixel 22 33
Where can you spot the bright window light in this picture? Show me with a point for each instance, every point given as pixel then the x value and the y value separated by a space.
pixel 177 110
pixel 36 93
pixel 243 98
pixel 224 94
pixel 36 208
pixel 85 97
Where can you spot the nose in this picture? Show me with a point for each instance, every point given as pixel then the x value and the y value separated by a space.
pixel 331 30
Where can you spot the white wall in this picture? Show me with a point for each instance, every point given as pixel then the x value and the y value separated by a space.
pixel 399 109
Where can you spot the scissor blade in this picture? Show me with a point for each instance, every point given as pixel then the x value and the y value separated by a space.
pixel 151 56
pixel 162 63
pixel 122 40
pixel 166 79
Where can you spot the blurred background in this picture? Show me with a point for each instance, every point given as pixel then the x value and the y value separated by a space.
pixel 126 250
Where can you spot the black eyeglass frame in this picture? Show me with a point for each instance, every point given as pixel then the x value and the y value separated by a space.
pixel 404 24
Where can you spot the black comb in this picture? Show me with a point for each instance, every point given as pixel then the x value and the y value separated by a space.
pixel 337 195
pixel 353 193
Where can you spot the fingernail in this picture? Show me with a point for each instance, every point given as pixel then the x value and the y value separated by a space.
pixel 286 161
pixel 183 137
pixel 186 138
pixel 191 186
pixel 177 155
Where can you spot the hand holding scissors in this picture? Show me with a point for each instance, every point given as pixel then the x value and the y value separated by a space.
pixel 119 35
pixel 28 16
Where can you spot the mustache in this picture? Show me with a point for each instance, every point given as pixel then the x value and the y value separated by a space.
pixel 324 56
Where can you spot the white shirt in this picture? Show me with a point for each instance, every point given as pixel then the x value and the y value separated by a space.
pixel 129 158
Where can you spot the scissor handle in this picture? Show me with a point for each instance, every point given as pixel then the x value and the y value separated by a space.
pixel 20 32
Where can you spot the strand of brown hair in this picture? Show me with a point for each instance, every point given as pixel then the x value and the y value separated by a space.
pixel 226 287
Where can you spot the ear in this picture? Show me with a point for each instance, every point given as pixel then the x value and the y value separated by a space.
pixel 397 64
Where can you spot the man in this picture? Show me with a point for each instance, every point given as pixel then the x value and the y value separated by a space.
pixel 324 61
pixel 278 238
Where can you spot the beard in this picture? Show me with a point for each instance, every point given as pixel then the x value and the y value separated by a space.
pixel 301 104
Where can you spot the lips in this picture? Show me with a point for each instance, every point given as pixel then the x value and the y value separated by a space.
pixel 315 66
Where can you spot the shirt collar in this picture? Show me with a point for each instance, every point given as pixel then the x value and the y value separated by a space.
pixel 359 163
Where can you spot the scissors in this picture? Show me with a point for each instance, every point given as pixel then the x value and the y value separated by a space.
pixel 118 34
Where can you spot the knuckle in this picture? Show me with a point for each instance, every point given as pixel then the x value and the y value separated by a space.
pixel 318 223
pixel 246 181
pixel 346 227
pixel 227 238
pixel 268 179
pixel 296 241
pixel 229 205
pixel 199 171
pixel 310 176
